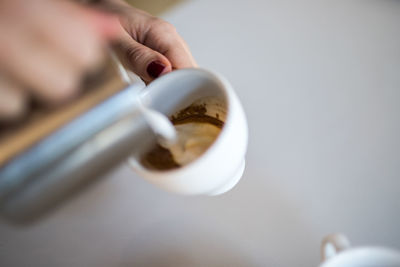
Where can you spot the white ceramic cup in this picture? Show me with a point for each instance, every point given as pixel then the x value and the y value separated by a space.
pixel 336 252
pixel 221 166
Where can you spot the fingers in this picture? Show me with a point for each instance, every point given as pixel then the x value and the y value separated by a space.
pixel 53 47
pixel 152 43
pixel 145 62
pixel 80 33
pixel 40 67
pixel 164 38
pixel 12 100
pixel 106 25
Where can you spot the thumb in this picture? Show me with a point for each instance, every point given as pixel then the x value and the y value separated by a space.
pixel 144 61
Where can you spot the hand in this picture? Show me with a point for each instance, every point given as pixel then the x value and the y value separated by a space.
pixel 45 48
pixel 152 46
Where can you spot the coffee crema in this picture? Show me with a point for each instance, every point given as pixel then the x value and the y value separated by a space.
pixel 196 131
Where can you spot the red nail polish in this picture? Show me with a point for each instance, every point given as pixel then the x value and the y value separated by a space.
pixel 155 68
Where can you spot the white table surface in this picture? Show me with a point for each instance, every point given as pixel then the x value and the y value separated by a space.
pixel 320 83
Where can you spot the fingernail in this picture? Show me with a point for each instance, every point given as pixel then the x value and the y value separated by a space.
pixel 155 68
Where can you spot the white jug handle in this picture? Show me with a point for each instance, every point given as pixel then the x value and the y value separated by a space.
pixel 333 244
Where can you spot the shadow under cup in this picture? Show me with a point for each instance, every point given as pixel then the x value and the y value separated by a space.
pixel 221 166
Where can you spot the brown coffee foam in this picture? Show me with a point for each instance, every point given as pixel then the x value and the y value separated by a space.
pixel 160 158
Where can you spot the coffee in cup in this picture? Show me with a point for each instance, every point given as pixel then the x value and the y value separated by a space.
pixel 196 131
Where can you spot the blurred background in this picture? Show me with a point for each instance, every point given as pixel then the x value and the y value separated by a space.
pixel 320 84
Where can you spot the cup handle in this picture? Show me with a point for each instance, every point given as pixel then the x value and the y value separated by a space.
pixel 333 244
